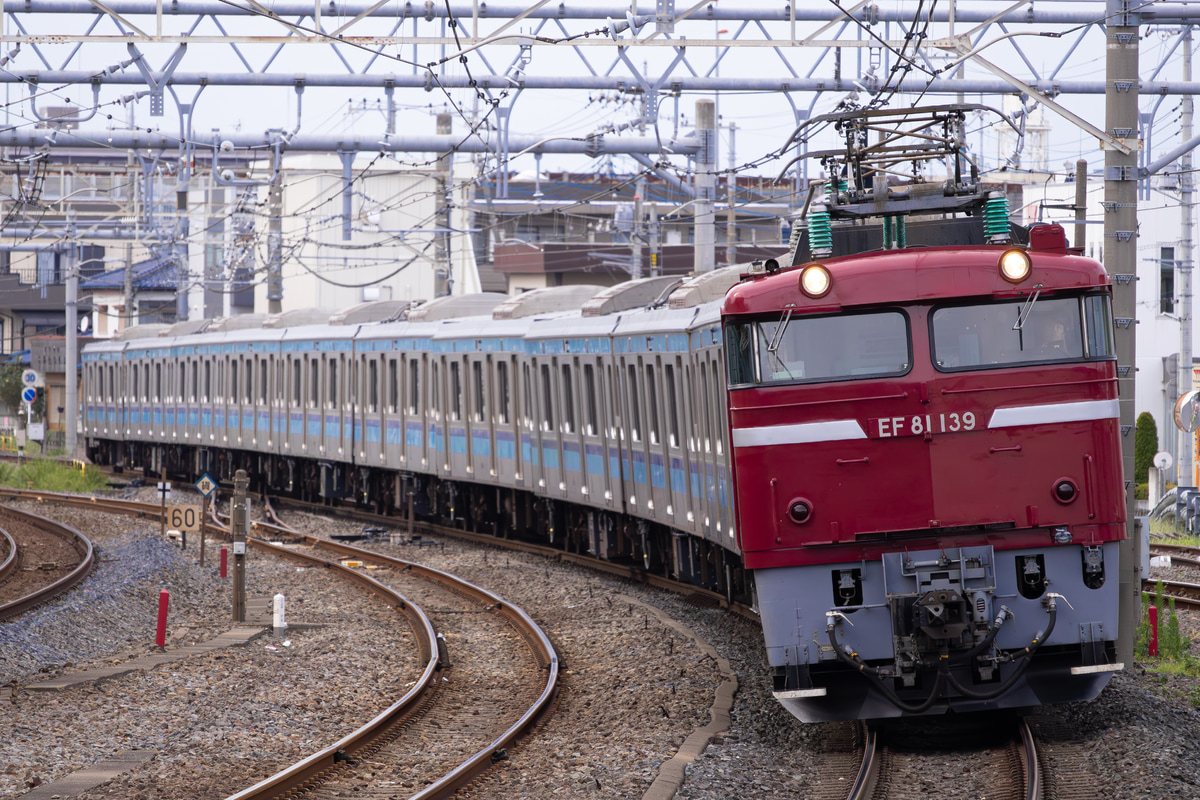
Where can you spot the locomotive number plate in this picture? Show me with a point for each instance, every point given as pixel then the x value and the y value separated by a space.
pixel 920 424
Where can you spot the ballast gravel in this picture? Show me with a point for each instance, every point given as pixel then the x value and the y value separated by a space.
pixel 632 688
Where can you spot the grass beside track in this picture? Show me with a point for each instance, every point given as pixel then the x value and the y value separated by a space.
pixel 50 475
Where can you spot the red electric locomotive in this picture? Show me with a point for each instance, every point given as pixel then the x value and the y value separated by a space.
pixel 927 458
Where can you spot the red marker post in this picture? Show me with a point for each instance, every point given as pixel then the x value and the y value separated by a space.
pixel 1152 648
pixel 164 600
pixel 224 561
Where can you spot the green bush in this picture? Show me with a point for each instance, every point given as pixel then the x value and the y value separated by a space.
pixel 1145 445
pixel 1141 491
pixel 52 476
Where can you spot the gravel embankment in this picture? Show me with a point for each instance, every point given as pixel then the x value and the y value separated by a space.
pixel 633 688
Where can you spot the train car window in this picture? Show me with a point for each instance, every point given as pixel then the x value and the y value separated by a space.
pixel 249 392
pixel 1097 317
pixel 480 391
pixel 414 385
pixel 718 413
pixel 158 382
pixel 145 381
pixel 262 382
pixel 182 382
pixel 615 430
pixel 372 386
pixel 547 400
pixel 635 413
pixel 505 409
pixel 297 390
pixel 707 418
pixel 314 382
pixel 995 334
pixel 435 400
pixel 672 406
pixel 651 404
pixel 589 400
pixel 568 394
pixel 393 385
pixel 791 349
pixel 233 381
pixel 456 391
pixel 195 380
pixel 693 426
pixel 135 383
pixel 528 416
pixel 207 381
pixel 333 383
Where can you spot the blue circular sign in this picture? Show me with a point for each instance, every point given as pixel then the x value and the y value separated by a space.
pixel 28 394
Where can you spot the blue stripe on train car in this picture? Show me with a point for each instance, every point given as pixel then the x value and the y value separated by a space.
pixel 193 416
pixel 722 487
pixel 312 424
pixel 333 428
pixel 614 461
pixel 392 432
pixel 206 417
pixel 296 424
pixel 264 421
pixel 696 479
pixel 550 456
pixel 571 460
pixel 248 420
pixel 437 438
pixel 112 416
pixel 91 413
pixel 481 443
pixel 458 441
pixel 506 445
pixel 233 420
pixel 169 416
pixel 146 414
pixel 412 434
pixel 528 452
pixel 658 472
pixel 374 431
pixel 710 483
pixel 678 480
pixel 594 455
pixel 639 467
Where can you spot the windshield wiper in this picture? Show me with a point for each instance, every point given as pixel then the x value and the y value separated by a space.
pixel 1023 313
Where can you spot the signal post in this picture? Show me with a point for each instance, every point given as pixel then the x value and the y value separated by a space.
pixel 239 520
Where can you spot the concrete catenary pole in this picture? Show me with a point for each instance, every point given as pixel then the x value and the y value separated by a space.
pixel 445 180
pixel 731 199
pixel 275 235
pixel 1183 266
pixel 1120 259
pixel 70 369
pixel 706 164
pixel 1081 176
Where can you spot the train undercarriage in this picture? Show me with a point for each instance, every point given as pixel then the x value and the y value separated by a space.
pixel 504 512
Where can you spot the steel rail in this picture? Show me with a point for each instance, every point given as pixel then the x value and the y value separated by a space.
pixel 627 571
pixel 10 562
pixel 1150 587
pixel 83 547
pixel 1029 761
pixel 316 765
pixel 868 773
pixel 482 760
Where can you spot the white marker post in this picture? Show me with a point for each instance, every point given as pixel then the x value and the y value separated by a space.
pixel 280 624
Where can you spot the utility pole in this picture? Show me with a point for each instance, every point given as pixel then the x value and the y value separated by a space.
pixel 239 522
pixel 275 234
pixel 730 198
pixel 1081 177
pixel 182 262
pixel 635 269
pixel 70 370
pixel 445 170
pixel 706 163
pixel 1183 270
pixel 1120 260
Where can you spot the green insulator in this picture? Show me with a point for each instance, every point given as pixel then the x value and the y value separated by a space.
pixel 901 233
pixel 820 232
pixel 887 233
pixel 995 220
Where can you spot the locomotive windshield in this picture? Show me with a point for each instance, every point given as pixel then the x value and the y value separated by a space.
pixel 1021 332
pixel 791 348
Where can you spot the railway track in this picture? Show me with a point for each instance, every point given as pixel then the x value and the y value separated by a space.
pixel 433 712
pixel 899 761
pixel 44 559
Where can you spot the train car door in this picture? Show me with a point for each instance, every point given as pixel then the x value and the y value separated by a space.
pixel 592 428
pixel 479 424
pixel 656 448
pixel 458 445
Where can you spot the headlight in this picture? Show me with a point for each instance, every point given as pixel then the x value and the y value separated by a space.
pixel 815 281
pixel 1015 266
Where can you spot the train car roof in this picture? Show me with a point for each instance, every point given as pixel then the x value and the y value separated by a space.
pixel 571 325
pixel 104 346
pixel 655 320
pixel 243 335
pixel 914 275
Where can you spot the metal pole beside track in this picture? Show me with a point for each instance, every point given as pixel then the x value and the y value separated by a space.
pixel 1120 259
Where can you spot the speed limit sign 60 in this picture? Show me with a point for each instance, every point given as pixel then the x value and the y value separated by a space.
pixel 183 518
